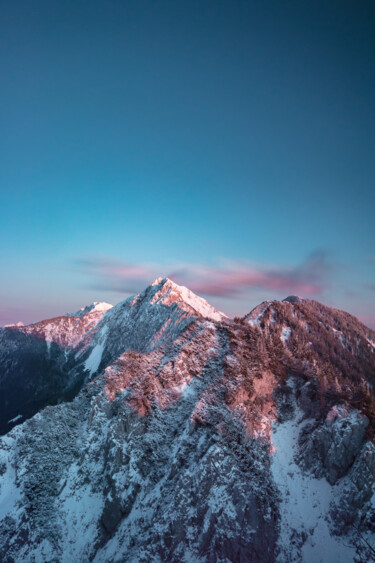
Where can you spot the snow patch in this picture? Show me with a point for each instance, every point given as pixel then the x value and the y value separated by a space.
pixel 186 388
pixel 340 335
pixel 285 333
pixel 93 361
pixel 18 417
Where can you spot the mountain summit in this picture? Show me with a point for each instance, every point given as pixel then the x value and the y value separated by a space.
pixel 169 293
pixel 161 430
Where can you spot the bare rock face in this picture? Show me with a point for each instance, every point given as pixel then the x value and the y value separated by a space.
pixel 332 447
pixel 353 500
pixel 308 398
pixel 293 299
pixel 189 436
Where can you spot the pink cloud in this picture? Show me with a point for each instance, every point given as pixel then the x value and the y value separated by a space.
pixel 230 279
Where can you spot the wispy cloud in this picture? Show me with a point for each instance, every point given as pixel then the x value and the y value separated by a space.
pixel 114 275
pixel 227 279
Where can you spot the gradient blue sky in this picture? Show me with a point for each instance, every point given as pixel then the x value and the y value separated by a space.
pixel 229 145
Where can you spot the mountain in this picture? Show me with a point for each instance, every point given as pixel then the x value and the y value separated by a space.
pixel 46 362
pixel 161 430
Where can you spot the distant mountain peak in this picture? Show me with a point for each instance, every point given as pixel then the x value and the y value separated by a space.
pixel 20 323
pixel 96 306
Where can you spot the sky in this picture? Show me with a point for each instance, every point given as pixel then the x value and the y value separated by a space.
pixel 228 145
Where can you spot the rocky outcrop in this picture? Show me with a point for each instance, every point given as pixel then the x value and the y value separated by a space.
pixel 331 447
pixel 354 507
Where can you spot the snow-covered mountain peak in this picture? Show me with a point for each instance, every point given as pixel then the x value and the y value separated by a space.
pixel 169 292
pixel 20 323
pixel 96 306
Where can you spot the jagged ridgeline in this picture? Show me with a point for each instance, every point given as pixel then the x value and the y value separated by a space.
pixel 161 430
